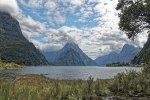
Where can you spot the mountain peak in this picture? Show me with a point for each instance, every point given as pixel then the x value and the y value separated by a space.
pixel 128 46
pixel 70 45
pixel 72 51
pixel 127 53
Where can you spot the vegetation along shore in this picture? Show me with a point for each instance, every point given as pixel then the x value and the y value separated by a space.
pixel 125 86
pixel 6 65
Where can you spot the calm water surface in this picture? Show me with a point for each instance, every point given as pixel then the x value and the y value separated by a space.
pixel 71 72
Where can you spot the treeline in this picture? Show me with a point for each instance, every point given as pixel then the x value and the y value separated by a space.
pixel 118 64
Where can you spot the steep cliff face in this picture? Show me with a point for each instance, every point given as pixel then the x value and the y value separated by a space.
pixel 14 47
pixel 144 55
pixel 55 56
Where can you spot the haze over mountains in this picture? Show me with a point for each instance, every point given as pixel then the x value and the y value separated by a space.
pixel 71 51
pixel 127 53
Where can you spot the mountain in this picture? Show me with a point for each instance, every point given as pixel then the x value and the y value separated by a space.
pixel 127 53
pixel 56 55
pixel 70 58
pixel 110 58
pixel 144 55
pixel 14 47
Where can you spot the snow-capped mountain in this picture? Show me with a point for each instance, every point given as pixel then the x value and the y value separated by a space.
pixel 56 55
pixel 127 53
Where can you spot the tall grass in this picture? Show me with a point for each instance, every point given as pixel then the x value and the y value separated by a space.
pixel 38 87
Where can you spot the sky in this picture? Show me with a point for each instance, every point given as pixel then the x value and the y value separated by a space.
pixel 92 24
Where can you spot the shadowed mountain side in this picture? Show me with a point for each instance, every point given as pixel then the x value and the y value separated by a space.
pixel 144 55
pixel 14 47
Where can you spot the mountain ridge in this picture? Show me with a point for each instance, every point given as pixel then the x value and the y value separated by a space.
pixel 14 47
pixel 126 54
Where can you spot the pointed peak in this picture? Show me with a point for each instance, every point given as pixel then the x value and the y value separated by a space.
pixel 71 45
pixel 128 45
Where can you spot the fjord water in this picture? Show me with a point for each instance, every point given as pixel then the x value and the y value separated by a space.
pixel 72 72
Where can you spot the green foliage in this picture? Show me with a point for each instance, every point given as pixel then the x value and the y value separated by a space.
pixel 134 19
pixel 144 54
pixel 118 64
pixel 131 84
pixel 38 87
pixel 146 68
pixel 4 65
pixel 134 16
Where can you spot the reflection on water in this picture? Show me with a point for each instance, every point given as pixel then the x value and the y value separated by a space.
pixel 71 72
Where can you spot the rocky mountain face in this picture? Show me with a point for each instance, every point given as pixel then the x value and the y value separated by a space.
pixel 14 47
pixel 144 55
pixel 73 52
pixel 127 53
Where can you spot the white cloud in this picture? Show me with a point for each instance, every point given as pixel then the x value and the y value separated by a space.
pixel 30 27
pixel 95 41
pixel 9 6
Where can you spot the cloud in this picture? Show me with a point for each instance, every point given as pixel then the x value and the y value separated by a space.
pixel 9 6
pixel 29 26
pixel 95 41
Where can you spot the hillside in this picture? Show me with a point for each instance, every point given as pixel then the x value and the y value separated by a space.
pixel 14 47
pixel 144 55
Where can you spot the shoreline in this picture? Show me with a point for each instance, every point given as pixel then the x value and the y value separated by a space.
pixel 88 89
pixel 8 66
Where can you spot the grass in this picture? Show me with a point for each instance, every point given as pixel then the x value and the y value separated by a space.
pixel 38 87
pixel 133 85
pixel 12 65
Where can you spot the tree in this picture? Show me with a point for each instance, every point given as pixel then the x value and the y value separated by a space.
pixel 134 16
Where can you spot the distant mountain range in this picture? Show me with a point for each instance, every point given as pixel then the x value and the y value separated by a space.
pixel 69 55
pixel 127 53
pixel 14 47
